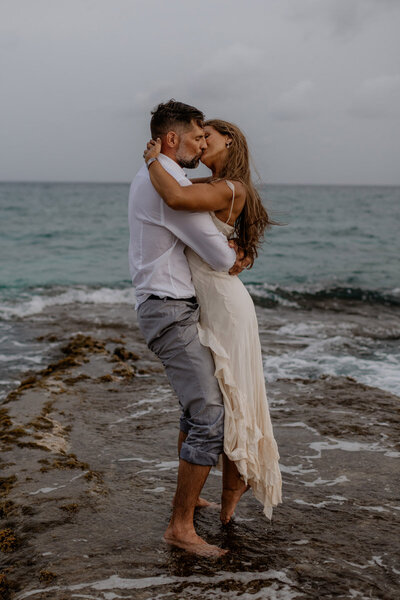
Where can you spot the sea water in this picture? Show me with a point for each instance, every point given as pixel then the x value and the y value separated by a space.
pixel 326 282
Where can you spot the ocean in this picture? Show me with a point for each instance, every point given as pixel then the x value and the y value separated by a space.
pixel 326 283
pixel 89 437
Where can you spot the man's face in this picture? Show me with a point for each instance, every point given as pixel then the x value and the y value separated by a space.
pixel 192 144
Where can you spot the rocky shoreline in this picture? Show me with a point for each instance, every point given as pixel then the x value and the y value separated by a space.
pixel 89 468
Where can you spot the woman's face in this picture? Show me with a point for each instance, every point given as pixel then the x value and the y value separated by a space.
pixel 216 146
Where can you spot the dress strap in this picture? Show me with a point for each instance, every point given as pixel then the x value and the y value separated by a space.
pixel 232 187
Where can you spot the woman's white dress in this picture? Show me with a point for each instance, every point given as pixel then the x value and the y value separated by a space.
pixel 228 326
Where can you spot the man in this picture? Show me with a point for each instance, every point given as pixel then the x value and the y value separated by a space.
pixel 167 309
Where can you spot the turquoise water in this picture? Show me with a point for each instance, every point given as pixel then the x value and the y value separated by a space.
pixel 71 234
pixel 327 279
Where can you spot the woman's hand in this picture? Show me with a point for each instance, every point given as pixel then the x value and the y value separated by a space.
pixel 153 149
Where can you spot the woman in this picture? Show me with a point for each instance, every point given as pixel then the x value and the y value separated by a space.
pixel 228 322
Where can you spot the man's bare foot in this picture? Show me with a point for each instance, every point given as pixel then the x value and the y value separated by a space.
pixel 192 543
pixel 230 498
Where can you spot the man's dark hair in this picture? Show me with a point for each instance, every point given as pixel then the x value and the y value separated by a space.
pixel 170 114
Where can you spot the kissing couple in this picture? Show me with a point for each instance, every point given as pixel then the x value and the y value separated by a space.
pixel 188 242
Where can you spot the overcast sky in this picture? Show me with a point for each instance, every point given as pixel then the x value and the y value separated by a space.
pixel 314 84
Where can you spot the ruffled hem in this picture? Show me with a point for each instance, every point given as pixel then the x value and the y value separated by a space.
pixel 253 450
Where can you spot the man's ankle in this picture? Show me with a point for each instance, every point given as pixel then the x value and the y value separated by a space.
pixel 181 528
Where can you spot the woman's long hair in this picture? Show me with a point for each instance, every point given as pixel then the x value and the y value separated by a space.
pixel 253 220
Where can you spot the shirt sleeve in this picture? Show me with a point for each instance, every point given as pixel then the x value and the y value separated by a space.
pixel 198 231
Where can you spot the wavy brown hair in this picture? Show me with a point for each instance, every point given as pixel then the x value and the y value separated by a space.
pixel 253 220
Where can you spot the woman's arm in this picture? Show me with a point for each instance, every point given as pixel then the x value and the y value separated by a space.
pixel 197 197
pixel 201 180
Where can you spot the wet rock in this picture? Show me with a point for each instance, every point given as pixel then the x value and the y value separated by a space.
pixel 7 508
pixel 124 370
pixel 106 378
pixel 81 344
pixel 8 541
pixel 5 587
pixel 121 353
pixel 336 440
pixel 6 485
pixel 47 576
pixel 70 508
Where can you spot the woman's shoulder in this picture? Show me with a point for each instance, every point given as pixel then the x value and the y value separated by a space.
pixel 235 184
pixel 237 187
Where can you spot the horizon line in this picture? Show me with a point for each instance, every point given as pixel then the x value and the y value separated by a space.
pixel 81 182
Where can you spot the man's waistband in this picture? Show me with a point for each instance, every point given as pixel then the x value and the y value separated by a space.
pixel 192 299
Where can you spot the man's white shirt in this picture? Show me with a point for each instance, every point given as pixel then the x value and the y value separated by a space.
pixel 158 236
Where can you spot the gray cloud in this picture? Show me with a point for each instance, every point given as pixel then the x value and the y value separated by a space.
pixel 214 81
pixel 343 17
pixel 296 104
pixel 79 80
pixel 377 98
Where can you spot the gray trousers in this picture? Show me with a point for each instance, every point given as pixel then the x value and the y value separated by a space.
pixel 170 330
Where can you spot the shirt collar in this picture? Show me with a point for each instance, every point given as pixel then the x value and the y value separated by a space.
pixel 171 166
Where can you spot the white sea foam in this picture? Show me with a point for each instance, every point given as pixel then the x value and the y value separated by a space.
pixel 304 329
pixel 135 458
pixel 314 505
pixel 295 469
pixel 20 357
pixel 374 508
pixel 134 415
pixel 274 591
pixel 319 348
pixel 166 465
pixel 280 589
pixel 300 424
pixel 47 490
pixel 317 359
pixel 328 482
pixel 81 295
pixel 346 446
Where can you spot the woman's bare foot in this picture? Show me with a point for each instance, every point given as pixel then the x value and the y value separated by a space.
pixel 203 503
pixel 192 543
pixel 230 498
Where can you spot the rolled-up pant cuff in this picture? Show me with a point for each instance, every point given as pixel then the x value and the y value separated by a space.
pixel 198 457
pixel 184 425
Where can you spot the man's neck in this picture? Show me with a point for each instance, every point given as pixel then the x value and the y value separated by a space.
pixel 171 155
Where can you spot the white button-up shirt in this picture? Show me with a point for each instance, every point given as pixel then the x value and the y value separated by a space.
pixel 158 236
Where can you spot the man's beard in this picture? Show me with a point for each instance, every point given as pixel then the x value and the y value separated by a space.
pixel 185 163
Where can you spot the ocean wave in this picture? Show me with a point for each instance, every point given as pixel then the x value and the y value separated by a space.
pixel 319 360
pixel 37 300
pixel 20 358
pixel 40 300
pixel 310 296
